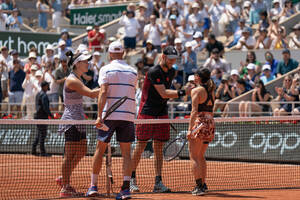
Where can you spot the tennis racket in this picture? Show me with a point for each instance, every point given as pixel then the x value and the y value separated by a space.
pixel 108 156
pixel 110 110
pixel 174 148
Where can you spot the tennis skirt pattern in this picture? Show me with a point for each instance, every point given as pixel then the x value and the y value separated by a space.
pixel 145 132
pixel 207 132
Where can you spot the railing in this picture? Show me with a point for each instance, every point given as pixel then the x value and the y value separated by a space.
pixel 176 109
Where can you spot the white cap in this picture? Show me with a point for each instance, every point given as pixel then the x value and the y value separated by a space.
pixel 56 56
pixel 149 41
pixel 195 5
pixel 49 47
pixel 198 34
pixel 116 47
pixel 32 55
pixel 266 67
pixel 89 28
pixel 112 39
pixel 102 30
pixel 96 53
pixel 234 72
pixel 177 41
pixel 142 4
pixel 81 48
pixel 251 66
pixel 191 78
pixel 85 55
pixel 188 44
pixel 276 1
pixel 61 43
pixel 39 73
pixel 247 4
pixel 34 67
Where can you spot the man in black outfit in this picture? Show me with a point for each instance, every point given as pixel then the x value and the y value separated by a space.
pixel 214 43
pixel 42 112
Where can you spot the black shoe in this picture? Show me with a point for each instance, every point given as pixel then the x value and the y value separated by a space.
pixel 204 187
pixel 45 155
pixel 34 153
pixel 198 191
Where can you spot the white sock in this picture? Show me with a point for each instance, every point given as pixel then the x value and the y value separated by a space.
pixel 94 179
pixel 127 178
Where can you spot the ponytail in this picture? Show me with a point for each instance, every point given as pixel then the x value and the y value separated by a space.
pixel 72 58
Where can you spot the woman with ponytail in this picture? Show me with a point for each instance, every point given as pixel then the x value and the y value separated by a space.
pixel 203 98
pixel 75 135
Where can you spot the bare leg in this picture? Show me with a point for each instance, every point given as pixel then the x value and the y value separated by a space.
pixel 97 158
pixel 126 149
pixel 242 108
pixel 158 156
pixel 136 155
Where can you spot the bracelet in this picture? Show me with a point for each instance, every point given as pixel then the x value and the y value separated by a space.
pixel 180 93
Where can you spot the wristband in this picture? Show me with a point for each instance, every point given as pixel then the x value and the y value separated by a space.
pixel 181 93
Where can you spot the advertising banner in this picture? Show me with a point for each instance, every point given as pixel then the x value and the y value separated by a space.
pixel 100 15
pixel 233 142
pixel 23 41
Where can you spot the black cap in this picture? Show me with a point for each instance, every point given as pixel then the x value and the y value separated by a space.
pixel 286 51
pixel 170 52
pixel 44 83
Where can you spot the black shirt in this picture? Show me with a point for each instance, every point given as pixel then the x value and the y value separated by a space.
pixel 42 106
pixel 219 45
pixel 152 103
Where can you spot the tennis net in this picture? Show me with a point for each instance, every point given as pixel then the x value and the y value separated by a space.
pixel 247 153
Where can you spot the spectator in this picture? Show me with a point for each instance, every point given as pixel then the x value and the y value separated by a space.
pixel 224 93
pixel 189 60
pixel 163 11
pixel 238 32
pixel 263 41
pixel 56 14
pixel 140 68
pixel 85 40
pixel 217 77
pixel 295 89
pixel 198 44
pixel 264 20
pixel 216 10
pixel 294 42
pixel 31 60
pixel 14 55
pixel 150 7
pixel 234 77
pixel 176 19
pixel 259 94
pixel 251 76
pixel 42 112
pixel 285 94
pixel 246 42
pixel 212 44
pixel 60 75
pixel 43 9
pixel 38 58
pixel 215 62
pixel 8 6
pixel 14 21
pixel 132 28
pixel 96 64
pixel 56 61
pixel 149 54
pixel 52 93
pixel 251 58
pixel 3 19
pixel 241 88
pixel 287 64
pixel 258 6
pixel 31 88
pixel 275 29
pixel 246 12
pixel 267 74
pixel 95 39
pixel 179 62
pixel 184 32
pixel 233 12
pixel 280 41
pixel 65 36
pixel 4 61
pixel 195 20
pixel 272 62
pixel 62 49
pixel 276 10
pixel 153 32
pixel 287 11
pixel 15 91
pixel 170 29
pixel 142 20
pixel 49 56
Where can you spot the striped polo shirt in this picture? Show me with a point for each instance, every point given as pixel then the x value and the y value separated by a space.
pixel 121 79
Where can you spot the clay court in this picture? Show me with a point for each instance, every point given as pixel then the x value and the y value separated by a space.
pixel 30 177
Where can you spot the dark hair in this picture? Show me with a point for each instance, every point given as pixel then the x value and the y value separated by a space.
pixel 242 82
pixel 263 90
pixel 254 56
pixel 72 57
pixel 212 36
pixel 263 13
pixel 269 52
pixel 204 74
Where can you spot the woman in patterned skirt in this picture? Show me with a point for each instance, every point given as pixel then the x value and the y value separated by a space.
pixel 203 98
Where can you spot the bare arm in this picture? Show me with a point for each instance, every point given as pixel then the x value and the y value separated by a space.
pixel 165 93
pixel 102 99
pixel 79 87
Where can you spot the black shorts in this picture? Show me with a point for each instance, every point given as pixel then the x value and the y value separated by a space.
pixel 124 131
pixel 130 42
pixel 73 135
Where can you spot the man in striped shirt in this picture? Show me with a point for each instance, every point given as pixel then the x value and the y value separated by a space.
pixel 116 80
